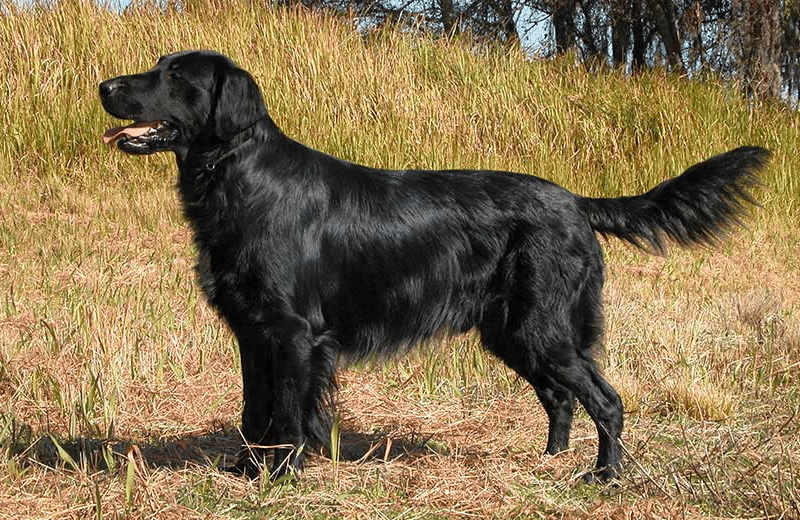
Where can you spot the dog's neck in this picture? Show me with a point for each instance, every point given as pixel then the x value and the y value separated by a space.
pixel 234 144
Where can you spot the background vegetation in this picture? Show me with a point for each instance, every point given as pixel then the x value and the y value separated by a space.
pixel 120 390
pixel 753 42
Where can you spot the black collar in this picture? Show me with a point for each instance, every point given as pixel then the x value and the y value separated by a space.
pixel 211 164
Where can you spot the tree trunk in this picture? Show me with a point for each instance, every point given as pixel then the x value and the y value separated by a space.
pixel 663 13
pixel 594 55
pixel 448 15
pixel 760 31
pixel 637 28
pixel 620 31
pixel 564 24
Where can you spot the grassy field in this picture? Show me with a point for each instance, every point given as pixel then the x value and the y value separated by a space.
pixel 120 389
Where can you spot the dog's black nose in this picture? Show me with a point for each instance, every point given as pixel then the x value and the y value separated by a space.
pixel 109 86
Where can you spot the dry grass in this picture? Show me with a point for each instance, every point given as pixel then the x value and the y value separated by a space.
pixel 106 345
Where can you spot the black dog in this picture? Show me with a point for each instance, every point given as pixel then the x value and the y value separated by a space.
pixel 310 258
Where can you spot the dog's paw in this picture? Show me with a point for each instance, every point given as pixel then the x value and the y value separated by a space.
pixel 246 467
pixel 605 475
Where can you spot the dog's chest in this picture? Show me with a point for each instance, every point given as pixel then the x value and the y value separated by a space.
pixel 230 283
pixel 205 276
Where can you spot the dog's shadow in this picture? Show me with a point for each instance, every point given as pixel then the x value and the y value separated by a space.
pixel 218 448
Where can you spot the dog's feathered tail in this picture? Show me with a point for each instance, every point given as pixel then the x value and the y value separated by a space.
pixel 697 207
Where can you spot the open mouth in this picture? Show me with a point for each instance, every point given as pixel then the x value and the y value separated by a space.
pixel 141 137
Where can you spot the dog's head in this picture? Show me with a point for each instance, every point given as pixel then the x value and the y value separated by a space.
pixel 188 98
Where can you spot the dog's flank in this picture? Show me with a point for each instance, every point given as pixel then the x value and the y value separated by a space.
pixel 310 258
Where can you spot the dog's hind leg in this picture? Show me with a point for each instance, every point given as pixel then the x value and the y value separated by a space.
pixel 571 363
pixel 557 383
pixel 603 405
pixel 544 325
pixel 559 404
pixel 557 401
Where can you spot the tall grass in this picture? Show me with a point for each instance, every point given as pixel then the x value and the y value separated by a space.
pixel 386 98
pixel 105 342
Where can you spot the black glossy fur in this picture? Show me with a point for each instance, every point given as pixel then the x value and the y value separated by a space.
pixel 310 258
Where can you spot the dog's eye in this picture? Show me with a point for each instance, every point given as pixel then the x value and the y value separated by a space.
pixel 173 75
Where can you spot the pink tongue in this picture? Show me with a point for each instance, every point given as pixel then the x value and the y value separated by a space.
pixel 135 130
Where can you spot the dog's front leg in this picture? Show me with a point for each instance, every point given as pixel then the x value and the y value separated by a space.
pixel 256 356
pixel 276 380
pixel 291 354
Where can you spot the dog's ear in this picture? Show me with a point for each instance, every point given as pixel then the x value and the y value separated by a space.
pixel 238 102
